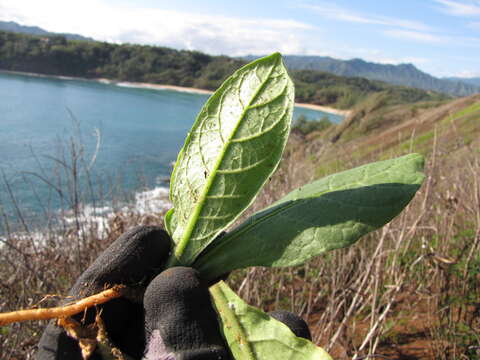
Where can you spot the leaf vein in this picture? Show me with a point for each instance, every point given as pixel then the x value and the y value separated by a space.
pixel 242 169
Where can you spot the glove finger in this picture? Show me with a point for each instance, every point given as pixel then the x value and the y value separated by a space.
pixel 298 326
pixel 180 320
pixel 133 259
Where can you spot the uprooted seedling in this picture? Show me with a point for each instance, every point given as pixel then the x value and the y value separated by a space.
pixel 234 146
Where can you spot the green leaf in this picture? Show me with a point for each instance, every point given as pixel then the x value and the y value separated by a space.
pixel 327 214
pixel 253 335
pixel 233 147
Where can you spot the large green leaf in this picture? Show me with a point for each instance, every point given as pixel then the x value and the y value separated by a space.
pixel 233 147
pixel 327 214
pixel 253 335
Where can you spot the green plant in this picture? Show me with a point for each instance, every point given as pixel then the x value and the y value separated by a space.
pixel 234 146
pixel 305 126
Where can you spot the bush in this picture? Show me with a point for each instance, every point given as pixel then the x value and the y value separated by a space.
pixel 305 126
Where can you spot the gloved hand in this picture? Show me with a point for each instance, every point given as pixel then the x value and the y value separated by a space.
pixel 171 318
pixel 175 316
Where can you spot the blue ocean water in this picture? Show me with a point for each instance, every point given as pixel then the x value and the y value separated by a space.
pixel 127 138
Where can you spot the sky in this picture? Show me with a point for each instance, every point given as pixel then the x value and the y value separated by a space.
pixel 440 37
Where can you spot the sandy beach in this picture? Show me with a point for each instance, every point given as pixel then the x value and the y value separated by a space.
pixel 325 109
pixel 208 92
pixel 141 85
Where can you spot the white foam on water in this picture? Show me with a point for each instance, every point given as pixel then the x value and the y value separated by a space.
pixel 152 201
pixel 97 219
pixel 126 84
pixel 90 217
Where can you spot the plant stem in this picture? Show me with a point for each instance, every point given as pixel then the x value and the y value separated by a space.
pixel 172 261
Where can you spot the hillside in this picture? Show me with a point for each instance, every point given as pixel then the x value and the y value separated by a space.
pixel 412 127
pixel 152 64
pixel 403 74
pixel 35 30
pixel 413 287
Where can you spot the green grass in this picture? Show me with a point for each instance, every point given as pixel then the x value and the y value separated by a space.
pixel 466 111
pixel 419 144
pixel 328 168
pixel 464 124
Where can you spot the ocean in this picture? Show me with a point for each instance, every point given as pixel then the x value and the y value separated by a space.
pixel 99 141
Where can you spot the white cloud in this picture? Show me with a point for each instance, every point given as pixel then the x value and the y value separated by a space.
pixel 335 12
pixel 403 60
pixel 117 22
pixel 459 8
pixel 208 33
pixel 416 36
pixel 468 74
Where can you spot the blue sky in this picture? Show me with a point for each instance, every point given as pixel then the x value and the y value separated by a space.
pixel 441 37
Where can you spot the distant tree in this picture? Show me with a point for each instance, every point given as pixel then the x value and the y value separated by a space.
pixel 305 126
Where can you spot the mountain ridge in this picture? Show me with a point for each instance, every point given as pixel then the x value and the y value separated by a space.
pixel 15 27
pixel 402 74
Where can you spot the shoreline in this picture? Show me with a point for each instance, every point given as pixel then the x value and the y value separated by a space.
pixel 326 109
pixel 151 86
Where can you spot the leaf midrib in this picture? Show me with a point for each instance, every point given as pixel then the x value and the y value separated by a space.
pixel 218 293
pixel 206 189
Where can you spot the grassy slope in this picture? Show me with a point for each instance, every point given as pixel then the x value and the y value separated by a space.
pixel 400 129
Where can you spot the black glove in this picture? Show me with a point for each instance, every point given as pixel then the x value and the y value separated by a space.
pixel 172 319
pixel 298 326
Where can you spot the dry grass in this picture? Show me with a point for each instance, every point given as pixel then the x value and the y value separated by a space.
pixel 33 276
